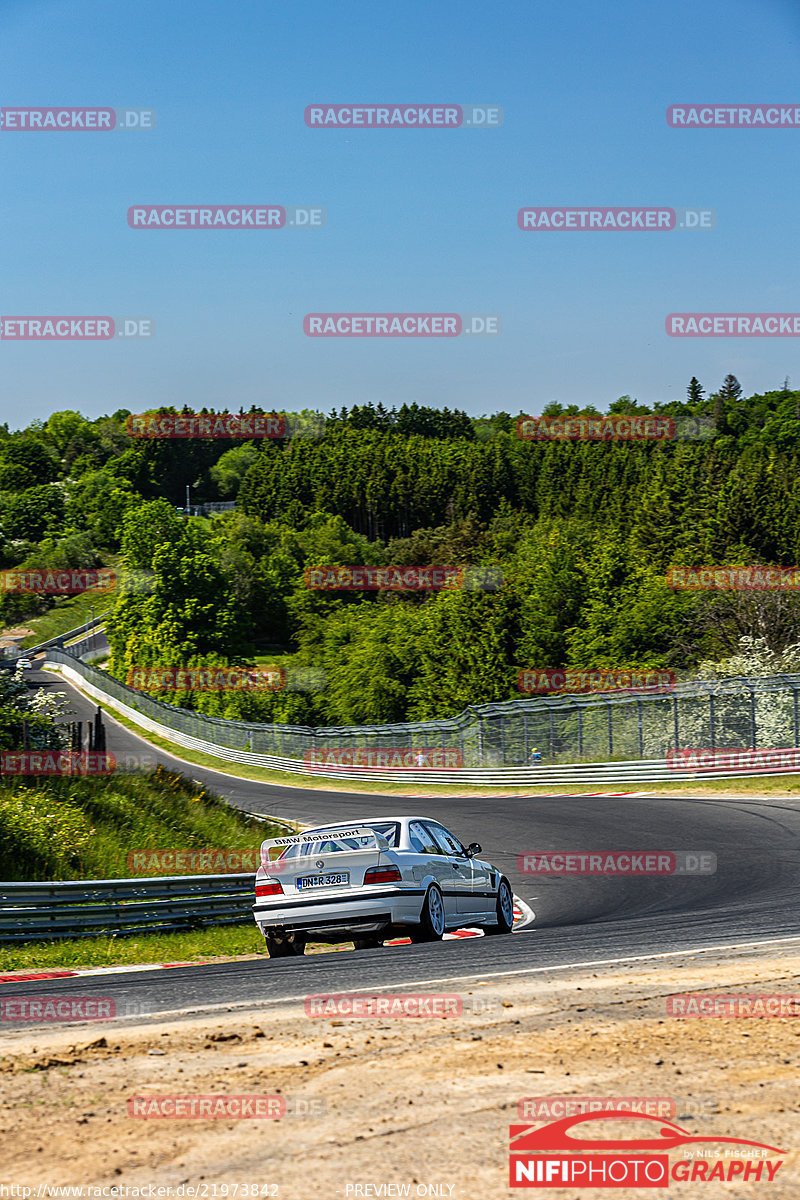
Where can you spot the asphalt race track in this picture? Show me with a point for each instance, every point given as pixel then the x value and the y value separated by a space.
pixel 579 920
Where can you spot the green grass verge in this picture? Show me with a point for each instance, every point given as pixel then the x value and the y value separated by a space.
pixel 72 827
pixel 746 785
pixel 201 945
pixel 195 946
pixel 67 613
pixel 269 660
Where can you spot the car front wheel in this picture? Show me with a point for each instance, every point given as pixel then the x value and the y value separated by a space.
pixel 505 909
pixel 287 946
pixel 431 924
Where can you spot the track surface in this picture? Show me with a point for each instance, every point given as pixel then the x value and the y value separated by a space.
pixel 752 897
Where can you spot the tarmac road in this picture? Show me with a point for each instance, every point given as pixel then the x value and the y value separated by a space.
pixel 752 897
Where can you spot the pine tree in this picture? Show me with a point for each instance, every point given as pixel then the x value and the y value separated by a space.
pixel 728 394
pixel 694 391
pixel 731 388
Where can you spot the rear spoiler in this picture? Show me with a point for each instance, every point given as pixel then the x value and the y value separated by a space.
pixel 273 850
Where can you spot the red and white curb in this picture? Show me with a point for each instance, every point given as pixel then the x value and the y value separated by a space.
pixel 523 915
pixel 554 791
pixel 38 976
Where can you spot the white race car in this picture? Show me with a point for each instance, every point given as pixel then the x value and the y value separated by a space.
pixel 372 880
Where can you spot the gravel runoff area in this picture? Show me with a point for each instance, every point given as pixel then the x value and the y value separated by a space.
pixel 389 1106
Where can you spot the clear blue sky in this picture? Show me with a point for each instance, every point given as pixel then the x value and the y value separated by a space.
pixel 416 220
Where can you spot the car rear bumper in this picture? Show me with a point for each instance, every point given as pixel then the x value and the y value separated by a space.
pixel 329 915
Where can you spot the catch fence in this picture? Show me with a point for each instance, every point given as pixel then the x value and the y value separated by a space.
pixel 726 714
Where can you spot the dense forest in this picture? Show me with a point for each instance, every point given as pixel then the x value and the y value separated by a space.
pixel 580 532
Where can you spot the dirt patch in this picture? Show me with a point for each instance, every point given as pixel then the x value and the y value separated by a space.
pixel 424 1103
pixel 9 637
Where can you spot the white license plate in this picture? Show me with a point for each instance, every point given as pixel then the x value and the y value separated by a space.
pixel 315 881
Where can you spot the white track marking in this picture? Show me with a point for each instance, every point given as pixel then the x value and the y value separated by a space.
pixel 373 989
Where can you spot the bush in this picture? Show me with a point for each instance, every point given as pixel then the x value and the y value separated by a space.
pixel 41 835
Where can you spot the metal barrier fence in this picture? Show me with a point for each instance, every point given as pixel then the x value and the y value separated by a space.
pixel 61 638
pixel 101 907
pixel 591 730
pixel 88 648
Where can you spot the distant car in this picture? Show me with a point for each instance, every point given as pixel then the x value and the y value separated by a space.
pixel 24 664
pixel 372 880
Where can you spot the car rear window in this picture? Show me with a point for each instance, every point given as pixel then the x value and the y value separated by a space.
pixel 388 829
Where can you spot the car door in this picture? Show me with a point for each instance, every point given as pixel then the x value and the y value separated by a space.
pixel 476 897
pixel 459 866
pixel 431 859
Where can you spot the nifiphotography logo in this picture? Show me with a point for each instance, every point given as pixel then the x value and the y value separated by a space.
pixel 553 1157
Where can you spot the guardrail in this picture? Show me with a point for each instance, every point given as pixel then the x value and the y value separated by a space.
pixel 102 907
pixel 91 646
pixel 625 726
pixel 61 638
pixel 598 775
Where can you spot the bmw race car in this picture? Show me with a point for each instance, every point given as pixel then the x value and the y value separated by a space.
pixel 372 880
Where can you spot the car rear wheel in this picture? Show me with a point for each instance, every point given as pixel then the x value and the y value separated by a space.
pixel 505 909
pixel 287 946
pixel 431 924
pixel 368 943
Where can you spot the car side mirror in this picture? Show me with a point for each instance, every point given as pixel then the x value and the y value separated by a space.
pixel 473 848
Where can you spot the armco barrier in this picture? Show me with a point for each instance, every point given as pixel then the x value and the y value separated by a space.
pixel 597 775
pixel 101 907
pixel 61 638
pixel 617 726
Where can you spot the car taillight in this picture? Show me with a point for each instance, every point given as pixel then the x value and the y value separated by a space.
pixel 382 875
pixel 270 888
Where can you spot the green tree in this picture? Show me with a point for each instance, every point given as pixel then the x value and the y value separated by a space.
pixel 33 455
pixel 229 470
pixel 33 513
